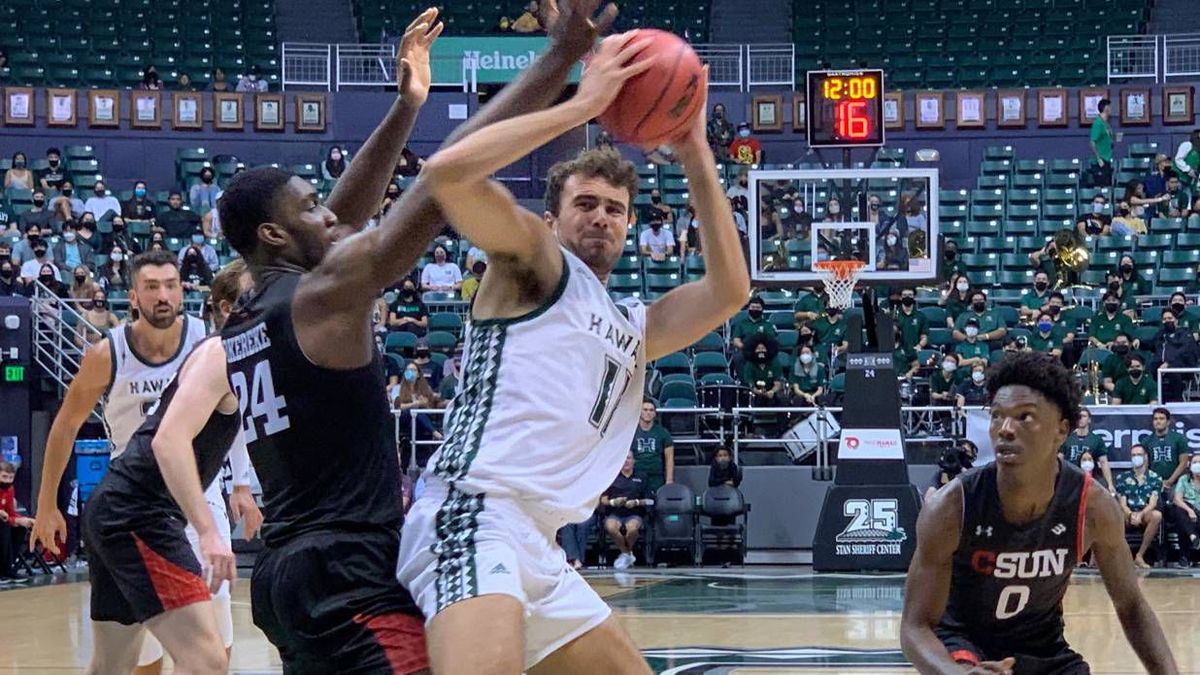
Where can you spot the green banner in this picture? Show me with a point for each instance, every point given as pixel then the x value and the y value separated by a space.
pixel 496 59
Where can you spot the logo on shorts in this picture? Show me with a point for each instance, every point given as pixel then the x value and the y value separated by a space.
pixel 498 569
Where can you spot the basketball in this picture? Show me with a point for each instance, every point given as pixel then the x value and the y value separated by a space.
pixel 655 107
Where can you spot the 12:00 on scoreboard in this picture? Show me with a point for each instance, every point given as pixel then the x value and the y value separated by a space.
pixel 845 108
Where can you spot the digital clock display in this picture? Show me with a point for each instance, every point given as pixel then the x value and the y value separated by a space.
pixel 845 108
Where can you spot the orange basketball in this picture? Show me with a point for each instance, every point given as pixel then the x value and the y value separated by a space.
pixel 657 106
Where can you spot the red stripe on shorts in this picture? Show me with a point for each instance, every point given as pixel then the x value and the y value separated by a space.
pixel 965 656
pixel 402 638
pixel 174 586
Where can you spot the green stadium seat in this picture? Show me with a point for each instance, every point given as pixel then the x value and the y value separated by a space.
pixel 1020 227
pixel 1166 225
pixel 676 362
pixel 447 322
pixel 1156 241
pixel 399 342
pixel 712 342
pixel 709 363
pixel 996 245
pixel 1181 256
pixel 999 153
pixel 1015 278
pixel 1176 275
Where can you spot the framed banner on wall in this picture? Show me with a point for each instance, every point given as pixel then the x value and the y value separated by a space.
pixel 310 112
pixel 799 112
pixel 187 111
pixel 931 110
pixel 1177 105
pixel 145 109
pixel 60 108
pixel 18 106
pixel 1010 108
pixel 104 108
pixel 268 112
pixel 1052 108
pixel 227 111
pixel 1089 105
pixel 893 110
pixel 969 110
pixel 768 113
pixel 1135 106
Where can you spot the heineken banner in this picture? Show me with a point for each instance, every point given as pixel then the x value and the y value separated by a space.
pixel 496 60
pixel 1121 426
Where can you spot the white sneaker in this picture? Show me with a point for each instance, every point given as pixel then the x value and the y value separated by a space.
pixel 623 561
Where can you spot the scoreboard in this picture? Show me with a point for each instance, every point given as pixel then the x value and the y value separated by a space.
pixel 845 108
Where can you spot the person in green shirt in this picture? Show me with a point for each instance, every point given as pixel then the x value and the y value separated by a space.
pixel 808 308
pixel 974 391
pixel 1114 367
pixel 1108 324
pixel 1138 492
pixel 956 299
pixel 1135 388
pixel 830 331
pixel 1177 202
pixel 1186 498
pixel 808 378
pixel 1185 321
pixel 971 351
pixel 763 373
pixel 1084 440
pixel 1168 450
pixel 914 327
pixel 1101 139
pixel 1047 336
pixel 1127 298
pixel 904 358
pixel 653 449
pixel 1131 281
pixel 1032 301
pixel 943 382
pixel 755 323
pixel 991 326
pixel 952 267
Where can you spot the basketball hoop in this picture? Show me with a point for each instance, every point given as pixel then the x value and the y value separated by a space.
pixel 839 277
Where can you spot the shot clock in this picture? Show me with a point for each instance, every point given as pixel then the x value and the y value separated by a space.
pixel 845 108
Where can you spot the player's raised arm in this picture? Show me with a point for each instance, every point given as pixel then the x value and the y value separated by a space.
pixel 356 196
pixel 927 589
pixel 90 383
pixel 688 313
pixel 202 390
pixel 1106 531
pixel 482 209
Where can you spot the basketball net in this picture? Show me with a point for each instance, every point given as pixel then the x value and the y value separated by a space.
pixel 839 277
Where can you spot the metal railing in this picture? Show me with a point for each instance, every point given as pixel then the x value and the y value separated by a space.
pixel 1190 386
pixel 771 65
pixel 1153 57
pixel 60 335
pixel 307 65
pixel 725 65
pixel 1181 55
pixel 365 65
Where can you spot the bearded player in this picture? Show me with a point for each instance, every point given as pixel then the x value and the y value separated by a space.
pixel 989 600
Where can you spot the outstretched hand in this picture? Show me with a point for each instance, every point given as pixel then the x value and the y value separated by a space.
pixel 412 58
pixel 573 25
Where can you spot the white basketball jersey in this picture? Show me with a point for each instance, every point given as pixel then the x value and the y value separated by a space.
pixel 548 402
pixel 136 385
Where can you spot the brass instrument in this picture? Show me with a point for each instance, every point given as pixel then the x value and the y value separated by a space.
pixel 916 244
pixel 1070 256
pixel 1096 392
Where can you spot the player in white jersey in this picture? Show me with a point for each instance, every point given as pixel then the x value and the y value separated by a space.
pixel 551 387
pixel 128 370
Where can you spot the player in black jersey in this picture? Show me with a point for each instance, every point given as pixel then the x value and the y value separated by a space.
pixel 301 360
pixel 141 565
pixel 990 599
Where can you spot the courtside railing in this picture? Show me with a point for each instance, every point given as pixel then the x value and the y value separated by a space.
pixel 1153 57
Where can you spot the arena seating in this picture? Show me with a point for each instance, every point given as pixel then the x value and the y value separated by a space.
pixel 105 43
pixel 943 44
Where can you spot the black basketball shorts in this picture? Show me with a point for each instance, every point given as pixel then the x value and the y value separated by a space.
pixel 1056 659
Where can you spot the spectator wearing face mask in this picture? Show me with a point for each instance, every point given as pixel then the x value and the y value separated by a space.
pixel 67 205
pixel 82 286
pixel 414 393
pixel 943 384
pixel 809 378
pixel 656 241
pixel 739 192
pixel 55 173
pixel 762 372
pixel 197 242
pixel 121 237
pixel 1136 388
pixel 410 163
pixel 972 350
pixel 1109 323
pixel 1096 221
pixel 202 196
pixel 658 208
pixel 754 323
pixel 723 470
pixel 1083 446
pixel 1186 497
pixel 194 273
pixel 829 331
pixel 177 221
pixel 973 392
pixel 892 253
pixel 32 268
pixel 1033 300
pixel 334 165
pixel 745 149
pixel 441 274
pixel 19 176
pixel 1177 200
pixel 904 357
pixel 793 221
pixel 1175 347
pixel 1138 492
pixel 150 79
pixel 833 211
pixel 87 231
pixel 1179 304
pixel 1126 223
pixel 988 322
pixel 140 206
pixel 913 325
pixel 408 313
pixel 429 368
pixel 72 252
pixel 719 132
pixel 101 204
pixel 1047 336
pixel 39 214
pixel 451 374
pixel 99 315
pixel 49 276
pixel 1131 281
pixel 951 265
pixel 1114 367
pixel 252 80
pixel 114 276
pixel 471 282
pixel 23 249
pixel 10 280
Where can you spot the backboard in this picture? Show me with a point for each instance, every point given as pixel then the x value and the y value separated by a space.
pixel 897 241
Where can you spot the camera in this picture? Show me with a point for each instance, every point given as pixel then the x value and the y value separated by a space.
pixel 950 462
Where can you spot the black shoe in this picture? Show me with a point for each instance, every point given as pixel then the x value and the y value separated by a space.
pixel 1181 564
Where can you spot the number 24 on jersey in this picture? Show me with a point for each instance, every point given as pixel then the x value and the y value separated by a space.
pixel 258 404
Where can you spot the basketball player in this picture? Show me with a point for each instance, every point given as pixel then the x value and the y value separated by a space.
pixel 130 369
pixel 990 599
pixel 300 357
pixel 552 386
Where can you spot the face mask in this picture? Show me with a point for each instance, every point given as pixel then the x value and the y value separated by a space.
pixel 949 366
pixel 908 302
pixel 891 241
pixel 80 278
pixel 100 304
pixel 1045 326
pixel 1097 208
pixel 1087 466
pixel 755 314
pixel 335 156
pixel 1040 286
pixel 1121 349
pixel 873 206
pixel 1111 307
pixel 99 192
pixel 18 164
pixel 978 306
pixel 656 226
pixel 1196 467
pixel 1126 269
pixel 719 114
pixel 422 353
pixel 655 199
pixel 409 290
pixel 46 279
pixel 88 224
pixel 410 375
pixel 197 239
pixel 1135 373
pixel 6 274
pixel 39 202
pixel 972 331
pixel 52 162
pixel 835 208
pixel 977 377
pixel 950 255
pixel 1053 309
pixel 1168 327
pixel 115 257
pixel 833 315
pixel 804 338
pixel 139 193
pixel 1114 286
pixel 39 252
pixel 798 207
pixel 1177 307
pixel 722 463
pixel 744 133
pixel 206 178
pixel 69 236
pixel 963 286
pixel 1138 461
pixel 118 226
pixel 67 192
pixel 6 485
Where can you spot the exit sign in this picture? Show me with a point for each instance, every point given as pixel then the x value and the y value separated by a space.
pixel 14 373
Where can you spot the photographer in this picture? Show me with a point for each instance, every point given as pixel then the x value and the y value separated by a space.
pixel 952 462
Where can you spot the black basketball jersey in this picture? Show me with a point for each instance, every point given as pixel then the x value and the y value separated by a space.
pixel 1008 581
pixel 135 473
pixel 321 440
